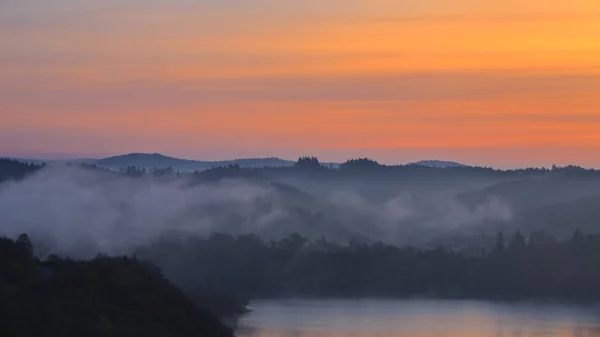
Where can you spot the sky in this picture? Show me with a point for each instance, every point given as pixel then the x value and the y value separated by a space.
pixel 498 83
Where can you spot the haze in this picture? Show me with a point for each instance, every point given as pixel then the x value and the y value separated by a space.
pixel 83 211
pixel 259 168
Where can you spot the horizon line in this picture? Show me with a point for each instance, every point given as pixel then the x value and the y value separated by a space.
pixel 76 158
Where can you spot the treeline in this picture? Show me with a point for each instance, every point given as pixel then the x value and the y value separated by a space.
pixel 15 170
pixel 104 296
pixel 369 169
pixel 517 268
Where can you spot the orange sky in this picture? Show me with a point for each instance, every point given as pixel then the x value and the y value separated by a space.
pixel 502 83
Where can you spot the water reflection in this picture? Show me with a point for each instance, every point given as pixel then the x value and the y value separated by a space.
pixel 416 318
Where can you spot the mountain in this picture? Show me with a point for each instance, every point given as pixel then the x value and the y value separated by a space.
pixel 159 161
pixel 438 163
pixel 151 161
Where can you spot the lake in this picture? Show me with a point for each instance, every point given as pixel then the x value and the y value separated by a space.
pixel 416 318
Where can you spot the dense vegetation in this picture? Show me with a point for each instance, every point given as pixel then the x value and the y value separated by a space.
pixel 15 170
pixel 534 267
pixel 356 168
pixel 556 200
pixel 101 297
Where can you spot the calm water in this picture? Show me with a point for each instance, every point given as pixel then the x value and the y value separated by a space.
pixel 416 318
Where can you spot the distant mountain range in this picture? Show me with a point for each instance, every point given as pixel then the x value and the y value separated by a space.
pixel 438 163
pixel 159 161
pixel 151 161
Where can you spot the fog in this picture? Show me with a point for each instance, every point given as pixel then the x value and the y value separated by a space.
pixel 80 212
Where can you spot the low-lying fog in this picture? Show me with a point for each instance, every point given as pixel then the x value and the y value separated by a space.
pixel 81 212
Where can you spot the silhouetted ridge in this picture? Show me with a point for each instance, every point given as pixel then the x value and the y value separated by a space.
pixel 158 161
pixel 14 170
pixel 101 297
pixel 360 165
pixel 438 163
pixel 308 163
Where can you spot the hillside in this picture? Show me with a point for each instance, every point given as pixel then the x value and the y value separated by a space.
pixel 14 170
pixel 438 163
pixel 149 161
pixel 100 297
pixel 159 161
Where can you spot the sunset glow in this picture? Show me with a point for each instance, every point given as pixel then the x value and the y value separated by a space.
pixel 495 83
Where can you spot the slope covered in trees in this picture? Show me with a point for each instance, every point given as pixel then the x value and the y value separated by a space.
pixel 100 297
pixel 517 267
pixel 15 170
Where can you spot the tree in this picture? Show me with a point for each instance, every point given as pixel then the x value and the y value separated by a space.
pixel 308 163
pixel 500 247
pixel 517 241
pixel 541 239
pixel 578 238
pixel 24 242
pixel 362 164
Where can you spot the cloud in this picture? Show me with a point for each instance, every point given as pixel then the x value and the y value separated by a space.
pixel 416 215
pixel 82 212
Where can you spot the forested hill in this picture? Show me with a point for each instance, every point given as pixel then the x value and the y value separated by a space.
pixel 15 170
pixel 361 199
pixel 100 297
pixel 515 268
pixel 148 162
